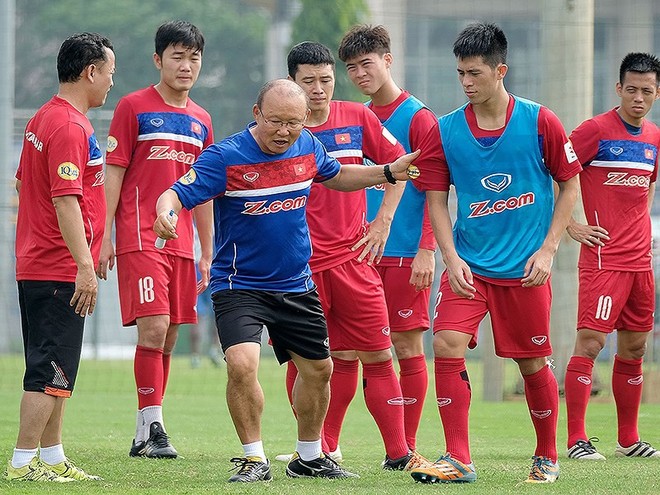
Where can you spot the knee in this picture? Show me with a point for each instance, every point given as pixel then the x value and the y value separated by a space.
pixel 529 366
pixel 633 351
pixel 588 347
pixel 316 371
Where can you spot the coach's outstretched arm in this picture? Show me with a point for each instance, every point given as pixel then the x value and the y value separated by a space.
pixel 354 177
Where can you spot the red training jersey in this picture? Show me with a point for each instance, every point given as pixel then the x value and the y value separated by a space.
pixel 157 144
pixel 619 167
pixel 337 220
pixel 60 157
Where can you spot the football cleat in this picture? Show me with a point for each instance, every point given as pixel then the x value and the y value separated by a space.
pixel 543 470
pixel 334 455
pixel 250 469
pixel 157 446
pixel 637 449
pixel 445 470
pixel 406 463
pixel 585 451
pixel 35 471
pixel 67 469
pixel 323 467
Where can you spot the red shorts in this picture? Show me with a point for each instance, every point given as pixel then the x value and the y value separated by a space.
pixel 153 284
pixel 609 299
pixel 520 316
pixel 354 305
pixel 408 308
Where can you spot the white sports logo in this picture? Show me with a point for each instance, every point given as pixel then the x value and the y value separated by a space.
pixel 541 414
pixel 539 339
pixel 443 401
pixel 584 380
pixel 638 380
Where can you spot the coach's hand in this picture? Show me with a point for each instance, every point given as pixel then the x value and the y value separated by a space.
pixel 403 169
pixel 86 290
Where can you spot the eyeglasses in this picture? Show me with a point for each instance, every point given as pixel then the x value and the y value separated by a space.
pixel 292 125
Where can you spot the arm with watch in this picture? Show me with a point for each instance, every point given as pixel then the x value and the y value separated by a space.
pixel 354 177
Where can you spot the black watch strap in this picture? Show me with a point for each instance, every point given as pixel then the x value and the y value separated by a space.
pixel 388 174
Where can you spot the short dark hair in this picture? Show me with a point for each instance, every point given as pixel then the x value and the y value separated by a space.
pixel 482 40
pixel 308 53
pixel 363 39
pixel 288 87
pixel 640 62
pixel 80 51
pixel 179 32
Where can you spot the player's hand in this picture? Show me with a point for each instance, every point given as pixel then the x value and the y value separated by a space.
pixel 373 241
pixel 538 269
pixel 86 290
pixel 107 258
pixel 204 267
pixel 460 278
pixel 589 235
pixel 399 167
pixel 165 225
pixel 423 268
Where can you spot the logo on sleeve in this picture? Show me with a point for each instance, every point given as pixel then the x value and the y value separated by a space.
pixel 112 144
pixel 68 171
pixel 189 178
pixel 570 153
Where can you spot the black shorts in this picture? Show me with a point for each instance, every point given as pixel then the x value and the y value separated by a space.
pixel 295 321
pixel 52 336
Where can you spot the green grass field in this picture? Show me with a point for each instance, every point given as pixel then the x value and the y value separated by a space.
pixel 99 426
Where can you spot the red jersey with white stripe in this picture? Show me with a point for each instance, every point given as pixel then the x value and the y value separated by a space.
pixel 618 166
pixel 60 157
pixel 337 220
pixel 156 143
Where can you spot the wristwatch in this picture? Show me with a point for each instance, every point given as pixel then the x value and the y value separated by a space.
pixel 388 174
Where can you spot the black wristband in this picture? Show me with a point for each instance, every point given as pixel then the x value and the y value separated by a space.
pixel 388 174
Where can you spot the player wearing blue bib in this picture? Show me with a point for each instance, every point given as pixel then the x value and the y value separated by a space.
pixel 501 153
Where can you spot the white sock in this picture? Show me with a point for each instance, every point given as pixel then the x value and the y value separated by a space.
pixel 139 428
pixel 308 451
pixel 52 455
pixel 22 457
pixel 254 449
pixel 151 414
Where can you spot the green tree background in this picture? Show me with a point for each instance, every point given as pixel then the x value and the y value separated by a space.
pixel 233 64
pixel 326 22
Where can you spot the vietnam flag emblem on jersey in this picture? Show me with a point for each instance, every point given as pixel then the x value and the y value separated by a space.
pixel 196 128
pixel 343 138
pixel 648 154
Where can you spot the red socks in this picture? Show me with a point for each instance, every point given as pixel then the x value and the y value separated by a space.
pixel 577 390
pixel 453 395
pixel 343 386
pixel 382 394
pixel 414 380
pixel 542 395
pixel 148 368
pixel 627 382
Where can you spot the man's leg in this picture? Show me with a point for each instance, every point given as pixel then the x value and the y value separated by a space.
pixel 150 436
pixel 627 379
pixel 382 394
pixel 413 377
pixel 577 390
pixel 343 385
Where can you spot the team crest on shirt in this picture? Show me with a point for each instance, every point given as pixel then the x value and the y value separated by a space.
pixel 68 171
pixel 616 150
pixel 157 122
pixel 343 138
pixel 496 182
pixel 189 178
pixel 648 154
pixel 196 128
pixel 112 144
pixel 251 176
